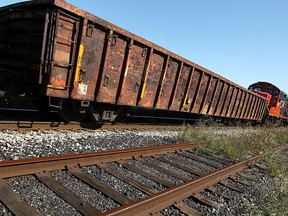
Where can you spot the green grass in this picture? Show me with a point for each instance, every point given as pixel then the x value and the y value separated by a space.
pixel 276 165
pixel 235 144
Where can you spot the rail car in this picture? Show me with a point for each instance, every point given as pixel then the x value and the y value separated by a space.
pixel 277 100
pixel 57 55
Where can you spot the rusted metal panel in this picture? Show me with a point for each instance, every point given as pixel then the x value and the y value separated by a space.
pixel 232 102
pixel 211 87
pixel 192 89
pixel 263 107
pixel 222 99
pixel 260 107
pixel 263 110
pixel 225 100
pixel 252 111
pixel 62 54
pixel 185 107
pixel 240 102
pixel 122 80
pixel 163 74
pixel 204 106
pixel 215 97
pixel 112 68
pixel 199 83
pixel 182 83
pixel 244 105
pixel 169 80
pixel 219 102
pixel 202 91
pixel 261 113
pixel 236 104
pixel 256 108
pixel 133 74
pixel 85 80
pixel 227 105
pixel 250 106
pixel 152 79
pixel 237 110
pixel 176 83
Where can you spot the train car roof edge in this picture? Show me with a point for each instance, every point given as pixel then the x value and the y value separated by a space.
pixel 269 84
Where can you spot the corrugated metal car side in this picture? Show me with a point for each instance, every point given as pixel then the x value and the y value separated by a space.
pixel 118 67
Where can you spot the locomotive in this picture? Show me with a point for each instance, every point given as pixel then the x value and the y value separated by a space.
pixel 55 55
pixel 277 101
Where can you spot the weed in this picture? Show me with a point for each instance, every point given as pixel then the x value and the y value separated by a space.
pixel 238 144
pixel 273 199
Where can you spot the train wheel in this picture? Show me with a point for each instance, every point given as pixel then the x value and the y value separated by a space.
pixel 71 110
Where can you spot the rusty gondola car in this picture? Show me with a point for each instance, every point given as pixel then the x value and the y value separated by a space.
pixel 81 63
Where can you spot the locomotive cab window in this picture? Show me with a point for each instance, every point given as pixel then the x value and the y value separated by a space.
pixel 255 89
pixel 269 91
pixel 275 94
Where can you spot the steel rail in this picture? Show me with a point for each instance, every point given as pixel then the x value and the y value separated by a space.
pixel 164 199
pixel 31 125
pixel 14 168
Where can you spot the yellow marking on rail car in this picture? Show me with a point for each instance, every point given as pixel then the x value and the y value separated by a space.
pixel 79 63
pixel 75 10
pixel 242 112
pixel 253 113
pixel 229 109
pixel 185 100
pixel 143 90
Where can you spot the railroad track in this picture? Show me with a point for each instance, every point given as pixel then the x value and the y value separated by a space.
pixel 75 126
pixel 185 174
pixel 41 126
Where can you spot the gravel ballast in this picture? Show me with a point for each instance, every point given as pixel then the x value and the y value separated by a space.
pixel 15 145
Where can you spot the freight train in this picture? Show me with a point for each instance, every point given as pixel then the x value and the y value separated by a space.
pixel 53 54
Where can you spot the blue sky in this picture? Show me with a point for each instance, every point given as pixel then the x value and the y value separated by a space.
pixel 245 41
